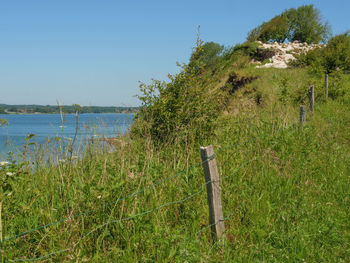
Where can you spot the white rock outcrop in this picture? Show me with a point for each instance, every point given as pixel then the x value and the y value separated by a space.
pixel 285 52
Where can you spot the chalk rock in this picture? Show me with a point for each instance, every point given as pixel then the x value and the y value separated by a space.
pixel 285 52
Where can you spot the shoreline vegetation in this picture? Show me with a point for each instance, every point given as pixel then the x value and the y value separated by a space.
pixel 285 183
pixel 51 109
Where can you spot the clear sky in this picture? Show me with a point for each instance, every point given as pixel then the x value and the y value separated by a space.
pixel 95 52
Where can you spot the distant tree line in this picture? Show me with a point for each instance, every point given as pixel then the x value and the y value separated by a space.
pixel 48 109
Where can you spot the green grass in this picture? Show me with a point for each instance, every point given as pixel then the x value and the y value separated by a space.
pixel 286 187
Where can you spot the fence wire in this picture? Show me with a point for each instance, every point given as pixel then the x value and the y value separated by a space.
pixel 109 204
pixel 120 220
pixel 206 227
pixel 147 212
pixel 160 182
pixel 125 197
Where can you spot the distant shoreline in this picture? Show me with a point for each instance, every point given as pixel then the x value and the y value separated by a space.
pixel 48 109
pixel 42 113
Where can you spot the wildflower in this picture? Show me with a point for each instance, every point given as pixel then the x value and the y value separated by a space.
pixel 99 197
pixel 3 163
pixel 10 174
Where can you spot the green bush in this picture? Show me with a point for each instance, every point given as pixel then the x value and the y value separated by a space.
pixel 338 88
pixel 208 56
pixel 188 106
pixel 336 55
pixel 311 59
pixel 248 49
pixel 181 107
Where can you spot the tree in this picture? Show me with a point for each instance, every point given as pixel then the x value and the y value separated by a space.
pixel 208 55
pixel 274 30
pixel 306 25
pixel 303 24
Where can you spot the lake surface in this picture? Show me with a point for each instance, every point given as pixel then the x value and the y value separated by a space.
pixel 45 126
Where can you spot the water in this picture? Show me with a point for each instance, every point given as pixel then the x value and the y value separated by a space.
pixel 46 126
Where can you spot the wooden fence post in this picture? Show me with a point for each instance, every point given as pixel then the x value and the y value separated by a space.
pixel 302 116
pixel 213 192
pixel 326 85
pixel 311 95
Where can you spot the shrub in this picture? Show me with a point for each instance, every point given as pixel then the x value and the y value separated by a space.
pixel 181 107
pixel 3 122
pixel 339 88
pixel 246 49
pixel 334 57
pixel 337 53
pixel 312 58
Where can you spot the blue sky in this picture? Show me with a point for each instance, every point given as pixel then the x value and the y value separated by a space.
pixel 96 52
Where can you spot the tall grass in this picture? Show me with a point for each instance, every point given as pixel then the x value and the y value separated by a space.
pixel 288 189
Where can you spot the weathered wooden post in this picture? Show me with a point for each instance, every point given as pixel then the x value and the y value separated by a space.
pixel 311 95
pixel 326 85
pixel 302 117
pixel 213 192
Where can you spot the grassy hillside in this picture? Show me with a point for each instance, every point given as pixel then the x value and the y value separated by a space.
pixel 285 188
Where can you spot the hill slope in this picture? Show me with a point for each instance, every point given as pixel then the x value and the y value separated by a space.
pixel 285 188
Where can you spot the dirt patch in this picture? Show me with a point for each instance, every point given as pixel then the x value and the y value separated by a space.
pixel 263 54
pixel 236 82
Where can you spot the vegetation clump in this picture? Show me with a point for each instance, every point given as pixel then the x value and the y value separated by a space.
pixel 183 107
pixel 335 56
pixel 303 24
